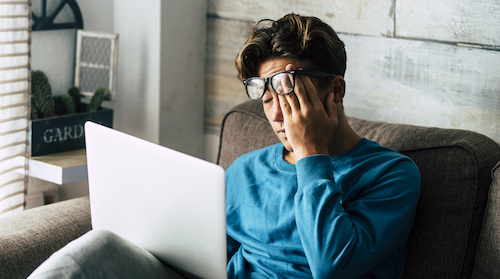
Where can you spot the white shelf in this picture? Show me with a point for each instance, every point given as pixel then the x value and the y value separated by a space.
pixel 60 168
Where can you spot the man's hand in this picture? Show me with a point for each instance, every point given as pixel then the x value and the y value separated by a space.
pixel 309 125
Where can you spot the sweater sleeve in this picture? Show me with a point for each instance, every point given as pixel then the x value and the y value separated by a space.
pixel 232 247
pixel 348 238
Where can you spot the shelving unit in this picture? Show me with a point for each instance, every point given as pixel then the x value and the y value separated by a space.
pixel 60 168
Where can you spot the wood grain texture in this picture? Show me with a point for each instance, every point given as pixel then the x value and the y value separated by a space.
pixel 474 22
pixel 225 38
pixel 365 17
pixel 423 83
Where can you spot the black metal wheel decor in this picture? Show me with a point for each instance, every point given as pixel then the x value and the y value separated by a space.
pixel 48 18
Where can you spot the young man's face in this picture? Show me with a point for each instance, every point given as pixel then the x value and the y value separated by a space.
pixel 270 99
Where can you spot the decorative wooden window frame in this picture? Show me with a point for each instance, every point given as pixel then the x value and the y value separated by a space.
pixel 111 67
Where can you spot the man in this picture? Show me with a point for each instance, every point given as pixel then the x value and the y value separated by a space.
pixel 324 203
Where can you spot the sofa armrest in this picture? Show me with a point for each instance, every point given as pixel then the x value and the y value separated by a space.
pixel 29 238
pixel 488 254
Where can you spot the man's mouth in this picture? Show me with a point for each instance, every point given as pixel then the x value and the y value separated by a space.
pixel 281 133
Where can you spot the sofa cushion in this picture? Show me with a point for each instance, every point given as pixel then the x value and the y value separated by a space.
pixel 455 167
pixel 488 256
pixel 29 238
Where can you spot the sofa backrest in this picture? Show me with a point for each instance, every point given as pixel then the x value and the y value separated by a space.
pixel 455 167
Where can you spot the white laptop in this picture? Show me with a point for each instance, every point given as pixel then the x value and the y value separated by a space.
pixel 164 201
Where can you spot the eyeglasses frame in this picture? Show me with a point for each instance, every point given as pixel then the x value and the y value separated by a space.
pixel 312 73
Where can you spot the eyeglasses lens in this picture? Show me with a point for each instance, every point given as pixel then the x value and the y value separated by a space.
pixel 282 83
pixel 255 88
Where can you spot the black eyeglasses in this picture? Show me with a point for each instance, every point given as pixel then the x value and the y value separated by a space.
pixel 282 83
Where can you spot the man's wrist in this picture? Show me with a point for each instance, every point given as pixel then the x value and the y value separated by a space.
pixel 313 168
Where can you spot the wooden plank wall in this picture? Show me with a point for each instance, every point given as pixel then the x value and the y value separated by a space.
pixel 431 63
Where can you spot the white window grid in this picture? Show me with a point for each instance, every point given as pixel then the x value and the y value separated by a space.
pixel 96 62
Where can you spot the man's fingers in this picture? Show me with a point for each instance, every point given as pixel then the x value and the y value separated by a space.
pixel 285 105
pixel 312 93
pixel 302 90
pixel 293 101
pixel 331 107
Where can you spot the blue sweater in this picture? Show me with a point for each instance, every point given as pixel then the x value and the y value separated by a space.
pixel 346 216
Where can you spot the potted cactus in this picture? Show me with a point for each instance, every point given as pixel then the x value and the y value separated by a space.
pixel 57 121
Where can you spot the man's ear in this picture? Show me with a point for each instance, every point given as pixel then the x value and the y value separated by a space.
pixel 338 89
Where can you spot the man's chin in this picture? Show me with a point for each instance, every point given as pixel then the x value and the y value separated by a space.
pixel 287 146
pixel 284 141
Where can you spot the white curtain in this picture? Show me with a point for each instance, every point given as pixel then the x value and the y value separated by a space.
pixel 14 103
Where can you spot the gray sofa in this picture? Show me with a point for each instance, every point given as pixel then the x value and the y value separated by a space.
pixel 457 228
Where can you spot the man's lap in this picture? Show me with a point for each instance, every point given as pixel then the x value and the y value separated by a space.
pixel 103 254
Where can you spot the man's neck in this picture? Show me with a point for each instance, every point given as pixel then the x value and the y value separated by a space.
pixel 344 139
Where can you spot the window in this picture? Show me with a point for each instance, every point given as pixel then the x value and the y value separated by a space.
pixel 14 103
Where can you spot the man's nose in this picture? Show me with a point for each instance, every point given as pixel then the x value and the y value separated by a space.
pixel 276 113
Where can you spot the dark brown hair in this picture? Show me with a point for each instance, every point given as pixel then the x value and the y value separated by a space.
pixel 296 37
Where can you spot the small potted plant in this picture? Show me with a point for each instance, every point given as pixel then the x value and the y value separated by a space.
pixel 57 122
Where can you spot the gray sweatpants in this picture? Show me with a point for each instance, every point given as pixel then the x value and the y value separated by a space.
pixel 102 254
